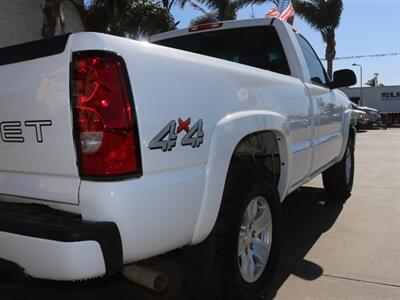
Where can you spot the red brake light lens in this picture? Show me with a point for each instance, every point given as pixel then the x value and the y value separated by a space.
pixel 106 133
pixel 205 26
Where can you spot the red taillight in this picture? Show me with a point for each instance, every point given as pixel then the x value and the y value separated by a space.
pixel 105 129
pixel 205 26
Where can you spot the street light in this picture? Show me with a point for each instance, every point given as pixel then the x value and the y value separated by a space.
pixel 361 84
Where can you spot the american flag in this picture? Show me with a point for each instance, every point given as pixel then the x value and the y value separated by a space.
pixel 284 11
pixel 196 6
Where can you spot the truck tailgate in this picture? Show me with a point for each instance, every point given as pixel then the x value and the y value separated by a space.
pixel 37 156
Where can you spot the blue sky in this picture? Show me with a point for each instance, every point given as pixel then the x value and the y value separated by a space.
pixel 367 27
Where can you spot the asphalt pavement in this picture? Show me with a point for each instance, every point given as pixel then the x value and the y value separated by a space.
pixel 349 251
pixel 331 250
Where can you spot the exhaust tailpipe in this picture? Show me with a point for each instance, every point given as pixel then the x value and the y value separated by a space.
pixel 145 277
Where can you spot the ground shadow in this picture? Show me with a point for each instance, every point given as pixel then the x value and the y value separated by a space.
pixel 14 286
pixel 307 214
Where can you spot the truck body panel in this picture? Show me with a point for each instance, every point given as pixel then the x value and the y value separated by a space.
pixel 176 199
pixel 37 155
pixel 228 89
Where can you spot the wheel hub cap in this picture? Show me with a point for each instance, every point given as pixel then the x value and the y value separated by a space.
pixel 255 239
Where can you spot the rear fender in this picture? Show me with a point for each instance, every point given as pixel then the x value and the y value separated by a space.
pixel 226 136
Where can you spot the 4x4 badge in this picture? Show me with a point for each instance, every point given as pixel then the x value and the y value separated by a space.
pixel 166 139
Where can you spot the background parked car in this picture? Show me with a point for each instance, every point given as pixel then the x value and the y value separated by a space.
pixel 362 117
pixel 375 120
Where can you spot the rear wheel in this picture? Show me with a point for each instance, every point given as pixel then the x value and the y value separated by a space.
pixel 239 258
pixel 338 179
pixel 389 121
pixel 255 238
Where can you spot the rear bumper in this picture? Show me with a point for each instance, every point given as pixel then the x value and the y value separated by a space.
pixel 56 245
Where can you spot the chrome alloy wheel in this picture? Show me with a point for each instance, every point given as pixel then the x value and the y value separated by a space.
pixel 255 239
pixel 349 165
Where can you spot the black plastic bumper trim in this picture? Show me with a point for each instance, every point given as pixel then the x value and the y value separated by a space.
pixel 43 222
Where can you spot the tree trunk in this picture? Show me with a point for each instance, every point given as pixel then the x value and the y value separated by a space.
pixel 330 68
pixel 222 11
pixel 330 52
pixel 53 22
pixel 115 15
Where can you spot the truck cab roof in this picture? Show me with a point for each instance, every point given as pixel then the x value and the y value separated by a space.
pixel 214 27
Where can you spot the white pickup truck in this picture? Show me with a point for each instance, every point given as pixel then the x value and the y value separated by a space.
pixel 113 151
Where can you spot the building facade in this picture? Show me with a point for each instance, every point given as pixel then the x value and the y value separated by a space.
pixel 22 20
pixel 382 98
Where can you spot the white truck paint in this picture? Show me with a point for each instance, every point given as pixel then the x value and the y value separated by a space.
pixel 176 201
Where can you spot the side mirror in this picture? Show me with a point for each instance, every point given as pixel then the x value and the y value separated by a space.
pixel 343 78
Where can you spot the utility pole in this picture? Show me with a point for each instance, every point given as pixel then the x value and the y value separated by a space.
pixel 361 83
pixel 376 79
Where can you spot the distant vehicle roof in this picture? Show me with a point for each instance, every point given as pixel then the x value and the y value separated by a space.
pixel 359 111
pixel 368 108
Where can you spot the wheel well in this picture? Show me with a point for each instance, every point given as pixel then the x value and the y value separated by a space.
pixel 258 150
pixel 352 134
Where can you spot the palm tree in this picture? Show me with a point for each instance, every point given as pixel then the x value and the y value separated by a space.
pixel 221 9
pixel 128 17
pixel 119 17
pixel 167 4
pixel 324 16
pixel 225 9
pixel 257 2
pixel 204 19
pixel 53 18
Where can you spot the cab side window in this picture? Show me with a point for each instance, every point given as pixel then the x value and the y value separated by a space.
pixel 317 71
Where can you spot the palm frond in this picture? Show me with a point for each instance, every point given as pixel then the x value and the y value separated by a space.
pixel 129 18
pixel 182 3
pixel 324 16
pixel 204 19
pixel 309 13
pixel 226 9
pixel 244 3
pixel 167 4
pixel 319 13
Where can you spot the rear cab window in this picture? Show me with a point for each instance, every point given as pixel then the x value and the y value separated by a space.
pixel 259 46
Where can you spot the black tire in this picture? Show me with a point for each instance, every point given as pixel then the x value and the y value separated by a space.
pixel 213 265
pixel 337 185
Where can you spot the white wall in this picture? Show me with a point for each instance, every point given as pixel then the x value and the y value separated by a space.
pixel 22 20
pixel 383 98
